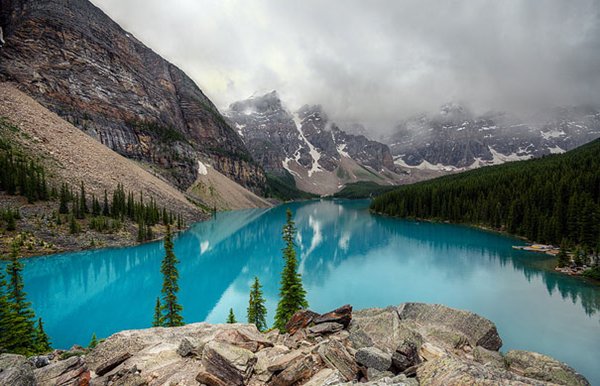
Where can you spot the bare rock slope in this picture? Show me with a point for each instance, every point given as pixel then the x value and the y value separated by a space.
pixel 72 156
pixel 413 344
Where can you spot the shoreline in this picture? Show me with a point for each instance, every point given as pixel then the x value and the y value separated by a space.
pixel 564 271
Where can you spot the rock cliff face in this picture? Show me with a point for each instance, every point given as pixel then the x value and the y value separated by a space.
pixel 306 144
pixel 455 139
pixel 76 61
pixel 413 344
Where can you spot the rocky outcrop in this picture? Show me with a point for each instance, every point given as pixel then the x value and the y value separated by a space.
pixel 391 346
pixel 76 61
pixel 15 370
pixel 307 146
pixel 542 367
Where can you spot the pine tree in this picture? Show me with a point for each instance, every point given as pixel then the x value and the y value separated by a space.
pixel 231 317
pixel 64 199
pixel 96 208
pixel 6 317
pixel 141 236
pixel 157 321
pixel 21 339
pixel 563 258
pixel 105 209
pixel 41 340
pixel 93 341
pixel 170 309
pixel 578 257
pixel 84 208
pixel 11 224
pixel 257 311
pixel 74 226
pixel 292 296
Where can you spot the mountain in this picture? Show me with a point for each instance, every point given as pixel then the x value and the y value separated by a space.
pixel 554 199
pixel 320 156
pixel 77 62
pixel 32 133
pixel 456 139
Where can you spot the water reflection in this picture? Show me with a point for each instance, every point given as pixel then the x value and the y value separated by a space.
pixel 346 256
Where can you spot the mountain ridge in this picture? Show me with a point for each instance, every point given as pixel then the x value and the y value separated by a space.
pixel 307 146
pixel 79 63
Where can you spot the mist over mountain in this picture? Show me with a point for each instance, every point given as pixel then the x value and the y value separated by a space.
pixel 377 63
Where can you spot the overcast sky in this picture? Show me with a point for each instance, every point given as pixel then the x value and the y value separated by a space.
pixel 377 61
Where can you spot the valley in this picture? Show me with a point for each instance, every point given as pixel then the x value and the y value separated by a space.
pixel 158 227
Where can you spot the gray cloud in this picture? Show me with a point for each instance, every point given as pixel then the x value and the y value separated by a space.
pixel 377 61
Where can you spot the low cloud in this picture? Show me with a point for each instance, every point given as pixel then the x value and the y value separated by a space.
pixel 376 62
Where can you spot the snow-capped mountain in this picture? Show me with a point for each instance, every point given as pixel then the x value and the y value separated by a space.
pixel 306 144
pixel 456 139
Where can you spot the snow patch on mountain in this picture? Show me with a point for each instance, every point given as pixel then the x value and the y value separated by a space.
pixel 202 170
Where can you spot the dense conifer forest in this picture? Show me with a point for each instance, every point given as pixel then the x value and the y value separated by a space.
pixel 555 199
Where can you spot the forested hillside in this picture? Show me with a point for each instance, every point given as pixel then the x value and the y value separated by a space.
pixel 551 200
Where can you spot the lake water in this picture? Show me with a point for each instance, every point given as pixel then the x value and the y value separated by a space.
pixel 346 255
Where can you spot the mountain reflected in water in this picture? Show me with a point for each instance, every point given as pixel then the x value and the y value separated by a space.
pixel 346 255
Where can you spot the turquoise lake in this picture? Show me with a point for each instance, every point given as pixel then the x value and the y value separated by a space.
pixel 346 256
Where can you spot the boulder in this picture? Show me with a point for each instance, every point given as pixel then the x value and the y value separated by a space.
pixel 379 327
pixel 301 319
pixel 478 330
pixel 231 364
pixel 298 371
pixel 336 356
pixel 68 371
pixel 39 361
pixel 325 328
pixel 450 370
pixel 111 363
pixel 376 375
pixel 264 358
pixel 342 315
pixel 186 348
pixel 15 370
pixel 372 357
pixel 542 367
pixel 284 361
pixel 325 377
pixel 246 336
pixel 405 356
pixel 429 352
pixel 488 357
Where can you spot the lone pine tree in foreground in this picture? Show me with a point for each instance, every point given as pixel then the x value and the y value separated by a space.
pixel 231 317
pixel 41 339
pixel 257 311
pixel 17 316
pixel 170 309
pixel 292 296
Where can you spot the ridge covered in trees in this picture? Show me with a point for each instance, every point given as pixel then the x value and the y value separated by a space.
pixel 553 199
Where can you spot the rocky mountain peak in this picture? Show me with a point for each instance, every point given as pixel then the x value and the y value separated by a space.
pixel 307 146
pixel 76 61
pixel 266 103
pixel 455 139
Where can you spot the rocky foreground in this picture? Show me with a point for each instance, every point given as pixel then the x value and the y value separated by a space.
pixel 412 344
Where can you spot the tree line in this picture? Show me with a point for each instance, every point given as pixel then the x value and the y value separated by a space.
pixel 554 199
pixel 21 175
pixel 292 295
pixel 123 205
